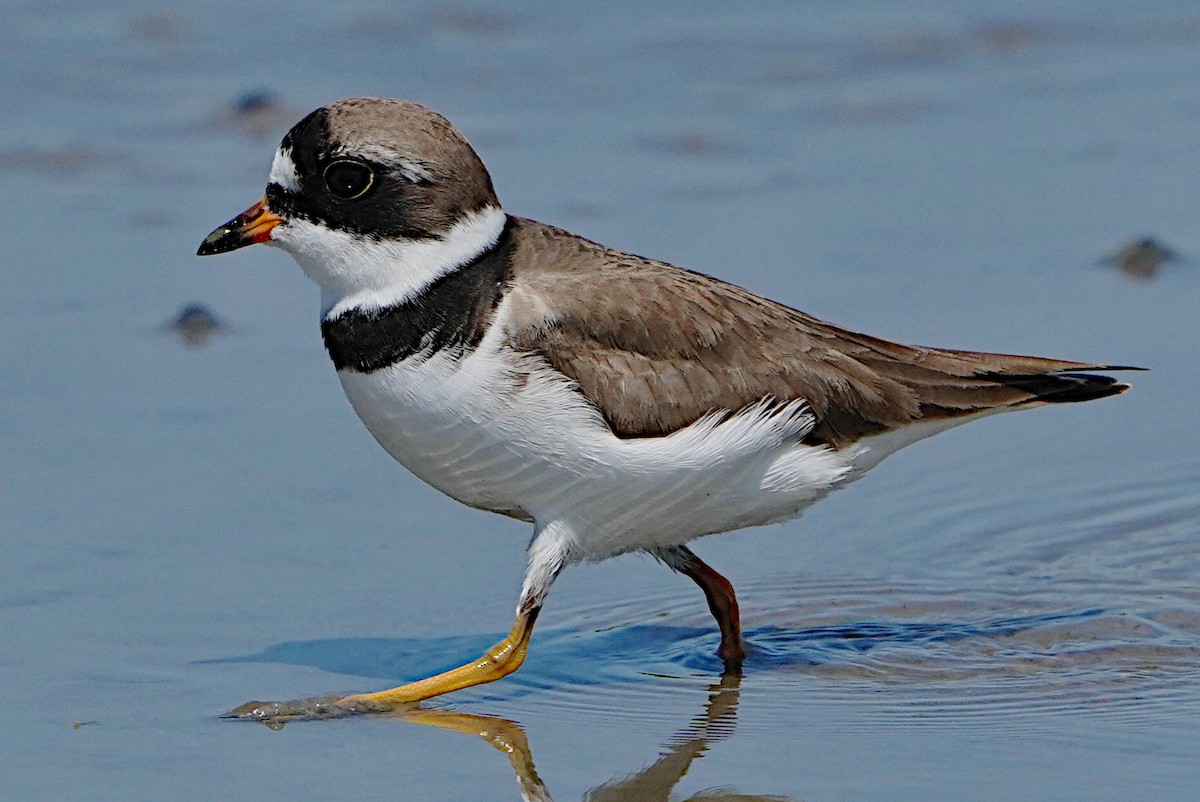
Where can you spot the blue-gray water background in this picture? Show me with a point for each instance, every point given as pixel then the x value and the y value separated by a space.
pixel 1011 609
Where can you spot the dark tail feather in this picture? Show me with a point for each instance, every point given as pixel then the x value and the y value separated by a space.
pixel 1061 388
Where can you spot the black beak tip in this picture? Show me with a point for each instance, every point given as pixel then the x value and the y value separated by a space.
pixel 223 240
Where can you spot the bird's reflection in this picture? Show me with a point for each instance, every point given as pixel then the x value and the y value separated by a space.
pixel 652 784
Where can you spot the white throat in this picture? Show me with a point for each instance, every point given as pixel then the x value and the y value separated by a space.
pixel 358 272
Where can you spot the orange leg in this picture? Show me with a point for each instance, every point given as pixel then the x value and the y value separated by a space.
pixel 722 601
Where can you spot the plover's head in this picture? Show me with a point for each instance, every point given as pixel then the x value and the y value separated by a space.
pixel 374 198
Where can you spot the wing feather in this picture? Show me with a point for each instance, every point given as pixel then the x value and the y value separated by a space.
pixel 655 348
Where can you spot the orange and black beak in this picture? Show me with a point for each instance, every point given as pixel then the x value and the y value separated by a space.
pixel 251 226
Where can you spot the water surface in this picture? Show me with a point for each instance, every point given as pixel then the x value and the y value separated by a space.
pixel 1009 609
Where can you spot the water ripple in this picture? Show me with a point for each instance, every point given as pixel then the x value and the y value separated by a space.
pixel 1091 609
pixel 896 652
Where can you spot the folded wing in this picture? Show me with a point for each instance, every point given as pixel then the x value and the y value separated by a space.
pixel 655 348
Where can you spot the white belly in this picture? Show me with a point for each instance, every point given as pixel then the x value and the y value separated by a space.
pixel 506 433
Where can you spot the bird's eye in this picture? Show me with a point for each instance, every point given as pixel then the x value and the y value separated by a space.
pixel 348 179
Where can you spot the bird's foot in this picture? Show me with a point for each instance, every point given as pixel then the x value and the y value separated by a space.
pixel 276 714
pixel 732 652
pixel 499 661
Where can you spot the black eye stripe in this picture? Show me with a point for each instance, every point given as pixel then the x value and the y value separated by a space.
pixel 348 179
pixel 387 209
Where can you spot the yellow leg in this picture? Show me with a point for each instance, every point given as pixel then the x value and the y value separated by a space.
pixel 501 660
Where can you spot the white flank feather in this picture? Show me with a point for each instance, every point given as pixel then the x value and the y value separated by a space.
pixel 503 431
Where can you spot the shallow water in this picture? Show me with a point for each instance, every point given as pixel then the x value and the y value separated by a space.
pixel 193 519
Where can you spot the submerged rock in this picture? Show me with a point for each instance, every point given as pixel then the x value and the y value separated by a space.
pixel 195 325
pixel 1141 258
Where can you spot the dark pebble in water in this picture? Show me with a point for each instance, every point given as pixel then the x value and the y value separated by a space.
pixel 259 112
pixel 256 103
pixel 1141 258
pixel 195 324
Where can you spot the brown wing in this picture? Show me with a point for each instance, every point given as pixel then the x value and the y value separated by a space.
pixel 654 348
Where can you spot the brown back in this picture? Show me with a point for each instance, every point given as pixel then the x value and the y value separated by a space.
pixel 655 347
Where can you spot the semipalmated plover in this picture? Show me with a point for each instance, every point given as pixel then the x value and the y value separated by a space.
pixel 615 402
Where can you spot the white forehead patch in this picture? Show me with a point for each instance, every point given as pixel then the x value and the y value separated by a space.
pixel 283 171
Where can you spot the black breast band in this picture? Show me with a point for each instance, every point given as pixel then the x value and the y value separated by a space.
pixel 451 313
